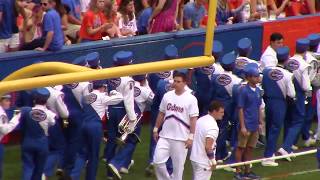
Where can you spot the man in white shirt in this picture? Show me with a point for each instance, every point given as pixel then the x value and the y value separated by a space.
pixel 269 56
pixel 204 146
pixel 178 114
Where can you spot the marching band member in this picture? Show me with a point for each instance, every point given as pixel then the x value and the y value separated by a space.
pixel 278 87
pixel 296 111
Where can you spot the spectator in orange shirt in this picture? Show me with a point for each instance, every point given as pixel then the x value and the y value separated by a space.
pixel 300 7
pixel 94 22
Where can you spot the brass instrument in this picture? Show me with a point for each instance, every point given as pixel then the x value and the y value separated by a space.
pixel 124 128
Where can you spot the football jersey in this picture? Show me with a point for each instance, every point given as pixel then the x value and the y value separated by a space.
pixel 206 127
pixel 178 110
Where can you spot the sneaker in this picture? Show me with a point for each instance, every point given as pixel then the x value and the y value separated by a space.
pixel 251 175
pixel 261 141
pixel 227 157
pixel 114 171
pixel 269 163
pixel 131 164
pixel 149 171
pixel 238 176
pixel 283 152
pixel 124 170
pixel 294 147
pixel 310 142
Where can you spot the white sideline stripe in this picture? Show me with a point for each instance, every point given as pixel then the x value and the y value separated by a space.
pixel 292 174
pixel 273 158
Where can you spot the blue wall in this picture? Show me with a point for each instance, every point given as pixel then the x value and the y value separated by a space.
pixel 146 48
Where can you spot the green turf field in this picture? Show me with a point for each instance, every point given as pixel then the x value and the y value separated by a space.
pixel 12 166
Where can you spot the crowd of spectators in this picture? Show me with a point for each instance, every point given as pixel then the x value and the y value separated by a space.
pixel 50 24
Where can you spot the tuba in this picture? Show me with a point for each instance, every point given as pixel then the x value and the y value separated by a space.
pixel 126 127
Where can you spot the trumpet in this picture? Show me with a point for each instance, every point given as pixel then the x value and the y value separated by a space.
pixel 127 127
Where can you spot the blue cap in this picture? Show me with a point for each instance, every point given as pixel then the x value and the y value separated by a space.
pixel 217 48
pixel 123 58
pixel 302 45
pixel 98 83
pixel 171 52
pixel 93 59
pixel 251 69
pixel 244 46
pixel 139 77
pixel 228 60
pixel 81 61
pixel 40 94
pixel 283 53
pixel 314 39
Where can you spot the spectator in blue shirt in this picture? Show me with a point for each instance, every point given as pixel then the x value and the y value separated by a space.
pixel 142 23
pixel 6 19
pixel 52 36
pixel 249 102
pixel 193 13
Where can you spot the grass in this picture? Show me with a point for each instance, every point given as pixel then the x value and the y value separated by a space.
pixel 12 165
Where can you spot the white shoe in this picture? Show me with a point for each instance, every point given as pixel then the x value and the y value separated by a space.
pixel 269 163
pixel 284 152
pixel 294 147
pixel 310 142
pixel 124 170
pixel 131 164
pixel 114 171
pixel 229 154
pixel 230 169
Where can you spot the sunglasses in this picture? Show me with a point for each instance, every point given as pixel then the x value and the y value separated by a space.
pixel 43 4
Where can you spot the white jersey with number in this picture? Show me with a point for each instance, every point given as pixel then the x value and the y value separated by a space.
pixel 206 127
pixel 178 110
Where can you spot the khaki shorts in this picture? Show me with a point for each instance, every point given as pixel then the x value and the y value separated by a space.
pixel 250 140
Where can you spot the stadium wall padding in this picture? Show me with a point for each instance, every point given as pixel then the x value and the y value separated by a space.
pixel 292 29
pixel 150 47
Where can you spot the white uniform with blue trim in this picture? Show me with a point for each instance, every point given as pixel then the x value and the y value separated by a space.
pixel 314 65
pixel 7 126
pixel 177 109
pixel 143 95
pixel 301 71
pixel 125 86
pixel 55 103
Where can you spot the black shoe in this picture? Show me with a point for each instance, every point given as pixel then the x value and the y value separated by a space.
pixel 238 176
pixel 251 175
pixel 149 171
